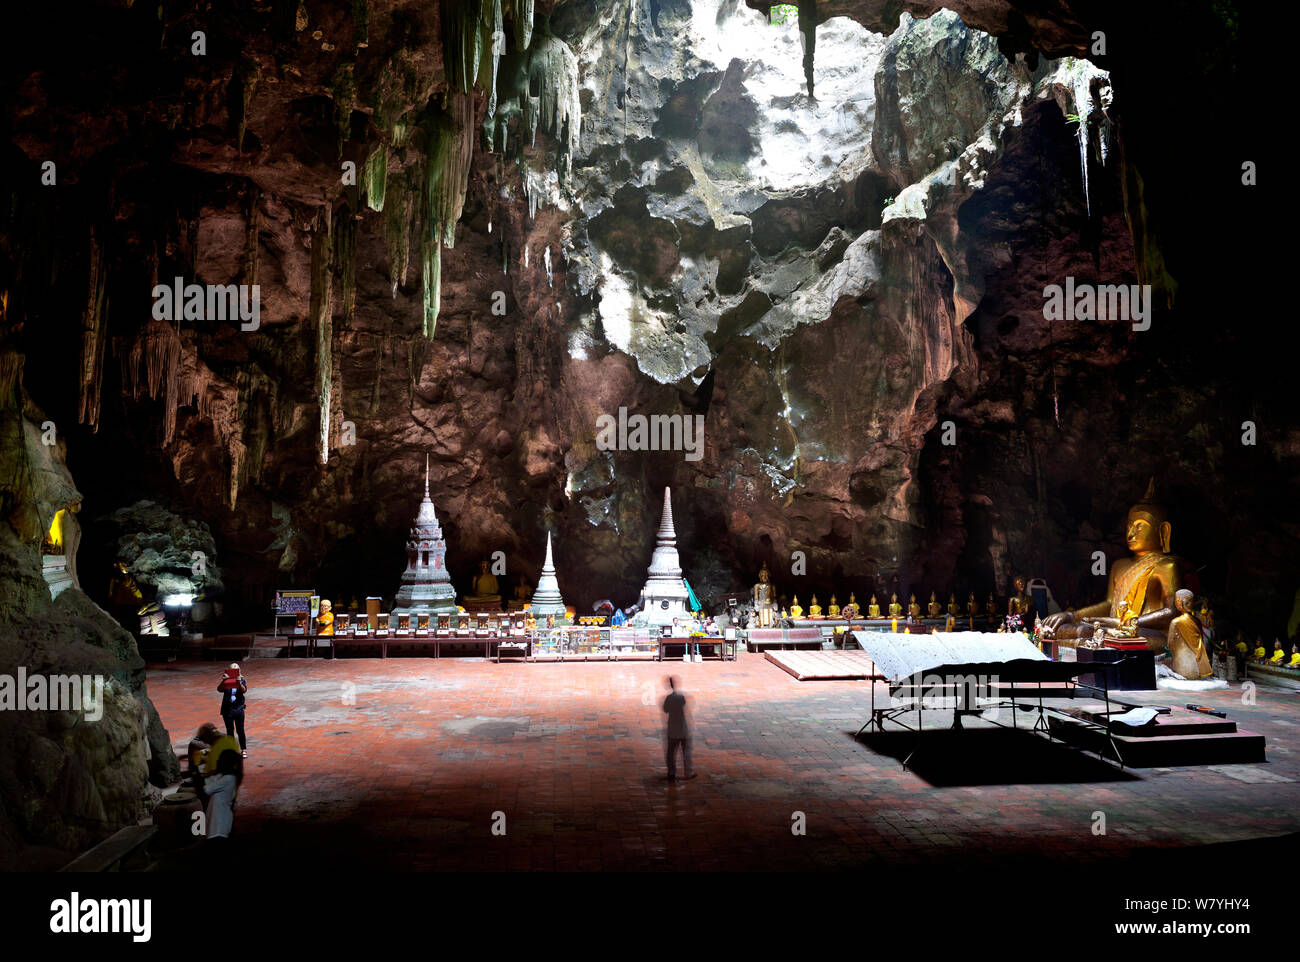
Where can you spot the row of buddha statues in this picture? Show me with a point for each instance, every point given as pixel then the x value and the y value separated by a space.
pixel 1146 601
pixel 768 610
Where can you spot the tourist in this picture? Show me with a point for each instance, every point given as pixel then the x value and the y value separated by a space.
pixel 232 686
pixel 202 741
pixel 221 790
pixel 678 734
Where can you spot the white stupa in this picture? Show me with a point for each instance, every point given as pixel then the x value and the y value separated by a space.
pixel 546 599
pixel 665 596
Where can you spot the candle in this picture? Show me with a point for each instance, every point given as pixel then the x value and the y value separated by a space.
pixel 894 625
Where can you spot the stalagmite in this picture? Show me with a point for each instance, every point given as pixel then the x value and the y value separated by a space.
pixel 431 280
pixel 320 312
pixel 93 337
pixel 546 259
pixel 490 28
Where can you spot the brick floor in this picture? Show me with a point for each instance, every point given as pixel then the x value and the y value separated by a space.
pixel 402 763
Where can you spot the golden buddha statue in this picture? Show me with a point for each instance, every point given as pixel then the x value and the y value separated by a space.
pixel 814 610
pixel 1145 585
pixel 953 608
pixel 914 607
pixel 972 606
pixel 1278 654
pixel 1295 657
pixel 1186 643
pixel 832 610
pixel 325 620
pixel 851 610
pixel 523 590
pixel 895 609
pixel 1020 602
pixel 933 608
pixel 764 602
pixel 1259 653
pixel 873 609
pixel 991 607
pixel 485 588
pixel 796 610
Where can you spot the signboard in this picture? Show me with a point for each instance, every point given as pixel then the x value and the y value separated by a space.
pixel 294 602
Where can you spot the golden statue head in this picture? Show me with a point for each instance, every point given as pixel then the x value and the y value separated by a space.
pixel 1183 600
pixel 1020 585
pixel 1147 528
pixel 763 576
pixel 932 597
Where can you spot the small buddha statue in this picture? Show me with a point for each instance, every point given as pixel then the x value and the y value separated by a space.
pixel 1186 642
pixel 1020 602
pixel 873 609
pixel 485 587
pixel 913 608
pixel 832 610
pixel 972 606
pixel 1295 657
pixel 352 605
pixel 953 609
pixel 895 609
pixel 325 620
pixel 1278 653
pixel 1147 584
pixel 814 610
pixel 851 611
pixel 934 608
pixel 1260 653
pixel 796 610
pixel 991 607
pixel 1241 645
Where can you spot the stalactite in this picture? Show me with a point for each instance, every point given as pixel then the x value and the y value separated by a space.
pixel 397 236
pixel 243 84
pixel 462 42
pixel 344 89
pixel 449 151
pixel 345 250
pixel 361 23
pixel 808 34
pixel 431 279
pixel 93 337
pixel 375 177
pixel 552 100
pixel 320 311
pixel 252 219
pixel 521 13
pixel 490 28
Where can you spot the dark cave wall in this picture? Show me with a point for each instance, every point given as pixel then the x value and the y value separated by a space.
pixel 507 411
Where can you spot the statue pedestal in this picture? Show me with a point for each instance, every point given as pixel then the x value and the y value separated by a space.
pixel 1137 673
pixel 482 607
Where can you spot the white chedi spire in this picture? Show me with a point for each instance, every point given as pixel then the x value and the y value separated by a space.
pixel 664 596
pixel 546 599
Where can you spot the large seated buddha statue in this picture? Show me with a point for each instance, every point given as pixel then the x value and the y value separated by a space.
pixel 914 608
pixel 873 609
pixel 895 609
pixel 796 610
pixel 934 609
pixel 814 610
pixel 833 609
pixel 486 592
pixel 1140 597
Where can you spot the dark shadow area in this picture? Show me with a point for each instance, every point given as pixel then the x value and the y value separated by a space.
pixel 991 756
